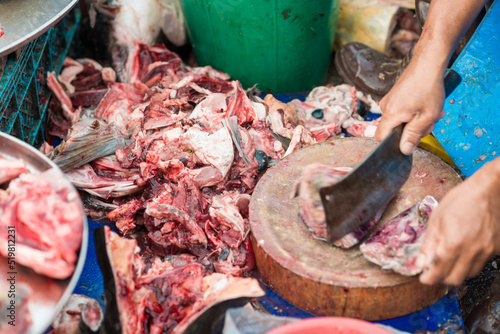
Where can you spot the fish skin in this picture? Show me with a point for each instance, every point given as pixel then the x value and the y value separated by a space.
pixel 118 26
pixel 85 178
pixel 89 139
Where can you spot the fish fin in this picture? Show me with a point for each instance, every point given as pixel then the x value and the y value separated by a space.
pixel 232 125
pixel 283 140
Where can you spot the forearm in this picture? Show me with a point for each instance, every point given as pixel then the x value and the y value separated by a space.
pixel 446 22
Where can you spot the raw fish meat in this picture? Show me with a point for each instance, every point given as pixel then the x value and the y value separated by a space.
pixel 314 177
pixel 47 216
pixel 397 244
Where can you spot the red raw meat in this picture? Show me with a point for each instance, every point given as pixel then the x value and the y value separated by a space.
pixel 71 68
pixel 160 295
pixel 88 98
pixel 215 86
pixel 361 128
pixel 240 106
pixel 313 178
pixel 144 58
pixel 48 220
pixel 118 103
pixel 170 212
pixel 124 216
pixel 67 107
pixel 397 244
pixel 11 168
pixel 79 311
pixel 86 179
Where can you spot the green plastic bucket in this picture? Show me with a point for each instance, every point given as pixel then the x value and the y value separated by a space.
pixel 280 45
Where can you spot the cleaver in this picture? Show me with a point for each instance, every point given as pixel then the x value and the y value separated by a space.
pixel 359 195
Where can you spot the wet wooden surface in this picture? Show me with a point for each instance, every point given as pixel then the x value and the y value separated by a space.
pixel 323 279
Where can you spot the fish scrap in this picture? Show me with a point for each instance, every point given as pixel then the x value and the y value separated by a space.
pixel 189 147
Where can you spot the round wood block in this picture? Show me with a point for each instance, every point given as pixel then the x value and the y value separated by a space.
pixel 323 279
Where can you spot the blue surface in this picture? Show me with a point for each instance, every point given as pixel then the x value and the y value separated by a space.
pixel 445 313
pixel 91 282
pixel 469 131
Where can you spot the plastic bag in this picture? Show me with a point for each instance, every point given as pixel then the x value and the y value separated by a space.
pixel 244 320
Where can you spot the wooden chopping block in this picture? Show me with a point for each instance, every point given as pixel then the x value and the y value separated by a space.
pixel 326 280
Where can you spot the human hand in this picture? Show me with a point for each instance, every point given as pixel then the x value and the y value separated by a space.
pixel 417 100
pixel 464 230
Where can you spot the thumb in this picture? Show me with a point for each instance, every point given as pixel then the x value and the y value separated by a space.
pixel 427 250
pixel 427 254
pixel 413 131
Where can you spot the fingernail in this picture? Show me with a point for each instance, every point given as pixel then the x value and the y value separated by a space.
pixel 408 148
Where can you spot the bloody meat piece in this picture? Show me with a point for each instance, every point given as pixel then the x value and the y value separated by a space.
pixel 361 128
pixel 55 87
pixel 226 209
pixel 80 314
pixel 313 178
pixel 71 68
pixel 85 178
pixel 164 114
pixel 88 98
pixel 170 212
pixel 397 244
pixel 150 62
pixel 48 220
pixel 167 295
pixel 11 168
pixel 118 103
pixel 124 215
pixel 240 106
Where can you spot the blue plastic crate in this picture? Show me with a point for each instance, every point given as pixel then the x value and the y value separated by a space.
pixel 24 96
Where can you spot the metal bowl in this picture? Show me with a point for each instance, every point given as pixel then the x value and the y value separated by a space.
pixel 48 295
pixel 24 21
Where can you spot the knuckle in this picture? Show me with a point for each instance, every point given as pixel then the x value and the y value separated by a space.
pixel 475 271
pixel 454 280
pixel 448 249
pixel 413 132
pixel 453 245
pixel 427 117
pixel 489 249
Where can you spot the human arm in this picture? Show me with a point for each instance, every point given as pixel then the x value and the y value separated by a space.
pixel 417 97
pixel 464 230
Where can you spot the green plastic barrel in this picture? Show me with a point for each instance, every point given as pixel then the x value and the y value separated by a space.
pixel 280 45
